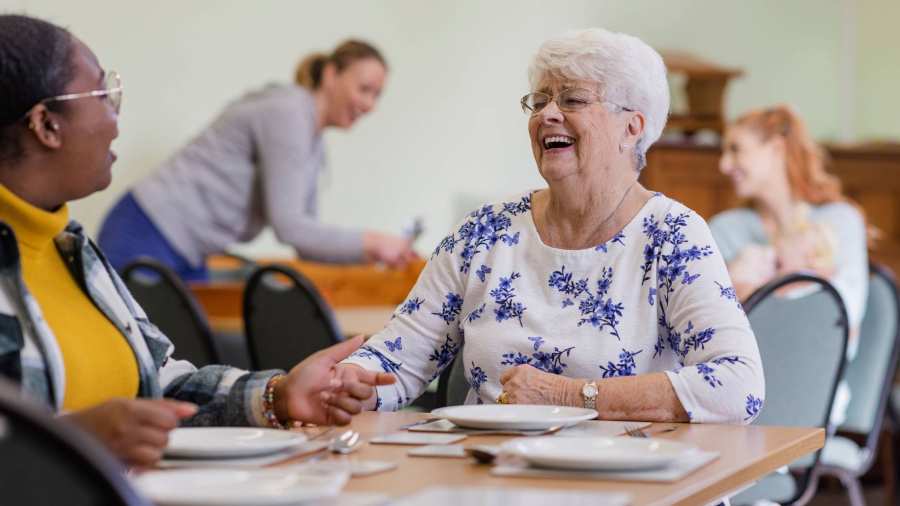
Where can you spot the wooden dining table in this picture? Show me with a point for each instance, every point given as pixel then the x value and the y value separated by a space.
pixel 746 453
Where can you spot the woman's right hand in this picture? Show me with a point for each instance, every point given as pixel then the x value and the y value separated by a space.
pixel 135 430
pixel 392 250
pixel 357 391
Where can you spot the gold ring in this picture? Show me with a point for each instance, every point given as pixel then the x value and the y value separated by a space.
pixel 503 398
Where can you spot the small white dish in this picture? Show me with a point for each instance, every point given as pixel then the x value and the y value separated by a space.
pixel 229 442
pixel 598 453
pixel 514 416
pixel 231 487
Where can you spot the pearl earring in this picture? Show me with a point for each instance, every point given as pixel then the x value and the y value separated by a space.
pixel 31 126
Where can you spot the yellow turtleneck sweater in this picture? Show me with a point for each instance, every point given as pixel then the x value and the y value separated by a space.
pixel 99 362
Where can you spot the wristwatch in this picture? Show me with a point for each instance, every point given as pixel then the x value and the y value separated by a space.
pixel 589 392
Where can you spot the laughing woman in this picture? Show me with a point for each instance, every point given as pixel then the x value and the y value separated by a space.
pixel 593 291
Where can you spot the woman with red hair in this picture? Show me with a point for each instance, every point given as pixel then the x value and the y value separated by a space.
pixel 797 218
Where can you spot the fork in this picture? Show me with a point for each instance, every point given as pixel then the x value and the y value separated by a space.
pixel 634 431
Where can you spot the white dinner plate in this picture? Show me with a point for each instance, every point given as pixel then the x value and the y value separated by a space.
pixel 598 453
pixel 514 416
pixel 225 442
pixel 230 487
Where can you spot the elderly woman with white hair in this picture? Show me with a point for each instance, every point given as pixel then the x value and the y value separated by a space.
pixel 592 292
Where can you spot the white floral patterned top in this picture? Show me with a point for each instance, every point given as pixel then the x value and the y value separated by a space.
pixel 656 297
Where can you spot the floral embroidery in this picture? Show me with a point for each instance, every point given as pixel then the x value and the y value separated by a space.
pixel 693 342
pixel 708 374
pixel 754 405
pixel 596 309
pixel 483 271
pixel 478 377
pixel 394 345
pixel 672 268
pixel 545 361
pixel 482 231
pixel 411 306
pixel 675 264
pixel 504 296
pixel 476 313
pixel 616 239
pixel 538 341
pixel 450 308
pixel 368 352
pixel 625 367
pixel 728 292
pixel 445 354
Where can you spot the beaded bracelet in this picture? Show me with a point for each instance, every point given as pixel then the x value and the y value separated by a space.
pixel 269 403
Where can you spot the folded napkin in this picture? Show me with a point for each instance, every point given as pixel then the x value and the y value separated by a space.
pixel 677 470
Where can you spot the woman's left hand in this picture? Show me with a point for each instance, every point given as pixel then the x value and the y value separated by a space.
pixel 525 384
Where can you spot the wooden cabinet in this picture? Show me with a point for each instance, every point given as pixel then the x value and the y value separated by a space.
pixel 871 177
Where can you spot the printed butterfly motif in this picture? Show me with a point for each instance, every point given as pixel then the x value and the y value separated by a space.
pixel 394 345
pixel 537 340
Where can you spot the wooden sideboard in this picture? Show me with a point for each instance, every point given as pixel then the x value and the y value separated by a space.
pixel 342 286
pixel 871 177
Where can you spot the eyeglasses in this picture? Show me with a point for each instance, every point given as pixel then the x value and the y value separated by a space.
pixel 569 100
pixel 112 91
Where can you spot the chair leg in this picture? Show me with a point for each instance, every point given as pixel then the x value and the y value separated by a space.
pixel 854 489
pixel 888 472
pixel 811 487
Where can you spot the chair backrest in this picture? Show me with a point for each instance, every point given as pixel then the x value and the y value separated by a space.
pixel 871 373
pixel 171 307
pixel 800 324
pixel 45 460
pixel 453 387
pixel 285 318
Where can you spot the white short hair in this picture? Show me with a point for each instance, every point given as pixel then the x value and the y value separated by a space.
pixel 630 73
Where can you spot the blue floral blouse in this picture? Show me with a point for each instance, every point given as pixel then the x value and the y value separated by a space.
pixel 655 297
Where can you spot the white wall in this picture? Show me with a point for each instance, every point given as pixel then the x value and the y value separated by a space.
pixel 448 129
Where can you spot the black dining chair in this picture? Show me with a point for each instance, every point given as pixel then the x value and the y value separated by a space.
pixel 285 318
pixel 171 307
pixel 800 323
pixel 46 460
pixel 453 387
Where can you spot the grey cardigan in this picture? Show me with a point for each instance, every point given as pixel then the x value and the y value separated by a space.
pixel 257 164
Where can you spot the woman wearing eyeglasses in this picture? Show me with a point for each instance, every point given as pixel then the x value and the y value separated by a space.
pixel 257 164
pixel 592 292
pixel 70 333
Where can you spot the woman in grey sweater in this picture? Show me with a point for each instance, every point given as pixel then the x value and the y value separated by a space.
pixel 257 164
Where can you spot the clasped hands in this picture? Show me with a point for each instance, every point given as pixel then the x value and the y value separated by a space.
pixel 314 391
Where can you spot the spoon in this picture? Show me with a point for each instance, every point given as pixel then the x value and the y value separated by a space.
pixel 345 443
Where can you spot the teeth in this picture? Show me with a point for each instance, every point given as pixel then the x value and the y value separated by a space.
pixel 558 138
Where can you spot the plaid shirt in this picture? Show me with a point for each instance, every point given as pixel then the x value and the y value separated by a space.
pixel 30 355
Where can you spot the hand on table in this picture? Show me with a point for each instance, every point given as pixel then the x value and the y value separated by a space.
pixel 526 384
pixel 135 430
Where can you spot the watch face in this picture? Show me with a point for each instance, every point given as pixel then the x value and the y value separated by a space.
pixel 589 390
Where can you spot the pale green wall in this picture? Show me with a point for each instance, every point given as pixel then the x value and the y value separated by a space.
pixel 878 70
pixel 448 131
